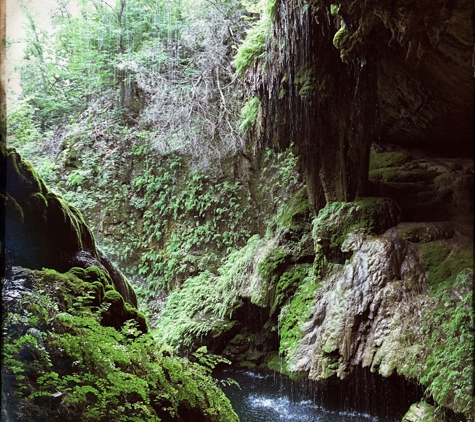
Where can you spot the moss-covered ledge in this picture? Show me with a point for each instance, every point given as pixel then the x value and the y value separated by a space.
pixel 43 231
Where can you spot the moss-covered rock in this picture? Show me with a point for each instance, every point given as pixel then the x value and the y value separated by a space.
pixel 370 216
pixel 423 232
pixel 426 188
pixel 396 306
pixel 117 312
pixel 422 412
pixel 43 231
pixel 296 211
pixel 63 362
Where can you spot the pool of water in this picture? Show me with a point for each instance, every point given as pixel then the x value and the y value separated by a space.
pixel 264 397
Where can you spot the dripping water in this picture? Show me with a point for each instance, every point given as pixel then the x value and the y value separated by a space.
pixel 263 396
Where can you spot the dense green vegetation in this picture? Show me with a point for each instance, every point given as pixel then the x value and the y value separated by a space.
pixel 62 363
pixel 449 326
pixel 137 114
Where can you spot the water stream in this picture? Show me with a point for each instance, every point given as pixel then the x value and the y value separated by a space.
pixel 270 397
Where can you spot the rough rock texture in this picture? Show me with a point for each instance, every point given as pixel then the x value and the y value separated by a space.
pixel 426 187
pixel 338 77
pixel 310 97
pixel 425 74
pixel 336 221
pixel 376 309
pixel 421 412
pixel 43 231
pixel 374 291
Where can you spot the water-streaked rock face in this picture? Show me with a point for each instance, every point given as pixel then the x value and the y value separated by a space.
pixel 359 307
pixel 43 231
pixel 374 310
pixel 425 69
pixel 338 77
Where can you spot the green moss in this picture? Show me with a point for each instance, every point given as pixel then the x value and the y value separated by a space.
pixel 269 269
pixel 412 234
pixel 334 9
pixel 72 233
pixel 113 297
pixel 398 175
pixel 131 313
pixel 268 266
pixel 426 232
pixel 103 374
pixel 449 324
pixel 370 216
pixel 297 208
pixel 443 263
pixel 294 314
pixel 423 412
pixel 39 203
pixel 78 272
pixel 94 273
pixel 249 114
pixel 98 292
pixel 388 159
pixel 398 167
pixel 9 203
pixel 341 41
pixel 449 331
pixel 329 366
pixel 276 363
pixel 118 312
pixel 253 46
pixel 23 180
pixel 288 283
pixel 305 81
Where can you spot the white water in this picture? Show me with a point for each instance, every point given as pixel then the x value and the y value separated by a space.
pixel 266 398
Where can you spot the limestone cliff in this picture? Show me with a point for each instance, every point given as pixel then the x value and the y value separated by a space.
pixel 336 77
pixel 394 80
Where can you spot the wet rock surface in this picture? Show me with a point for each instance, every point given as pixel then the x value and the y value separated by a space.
pixel 44 231
pixel 337 78
pixel 426 187
pixel 421 412
pixel 18 284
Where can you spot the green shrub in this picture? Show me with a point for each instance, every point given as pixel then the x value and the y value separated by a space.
pixel 253 46
pixel 204 304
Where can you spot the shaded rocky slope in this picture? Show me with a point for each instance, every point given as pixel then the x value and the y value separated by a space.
pixel 74 345
pixel 375 283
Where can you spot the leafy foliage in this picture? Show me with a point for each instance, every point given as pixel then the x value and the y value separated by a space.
pixel 249 113
pixel 450 326
pixel 183 224
pixel 253 46
pixel 205 303
pixel 162 66
pixel 65 365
